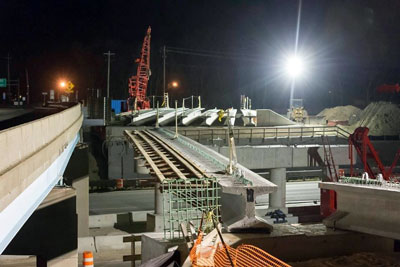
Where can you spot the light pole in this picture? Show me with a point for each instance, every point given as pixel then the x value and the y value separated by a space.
pixel 108 54
pixel 295 53
pixel 164 56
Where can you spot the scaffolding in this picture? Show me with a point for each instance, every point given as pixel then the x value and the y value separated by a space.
pixel 186 200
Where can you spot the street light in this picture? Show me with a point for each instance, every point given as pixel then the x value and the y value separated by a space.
pixel 63 84
pixel 173 84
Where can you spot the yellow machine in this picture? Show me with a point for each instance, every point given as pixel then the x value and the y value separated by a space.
pixel 297 112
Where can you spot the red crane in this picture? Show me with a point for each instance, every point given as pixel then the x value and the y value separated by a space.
pixel 138 84
pixel 388 88
pixel 359 139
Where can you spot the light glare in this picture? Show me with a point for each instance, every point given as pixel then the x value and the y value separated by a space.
pixel 294 66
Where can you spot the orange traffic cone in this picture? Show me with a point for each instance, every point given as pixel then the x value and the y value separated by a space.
pixel 88 259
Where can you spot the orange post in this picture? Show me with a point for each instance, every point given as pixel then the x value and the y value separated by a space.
pixel 88 259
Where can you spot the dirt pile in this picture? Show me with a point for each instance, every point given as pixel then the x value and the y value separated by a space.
pixel 341 113
pixel 382 118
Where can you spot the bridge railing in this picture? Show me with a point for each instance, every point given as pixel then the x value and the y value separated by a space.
pixel 262 133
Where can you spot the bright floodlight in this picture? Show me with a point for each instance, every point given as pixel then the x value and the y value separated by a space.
pixel 62 84
pixel 174 84
pixel 294 66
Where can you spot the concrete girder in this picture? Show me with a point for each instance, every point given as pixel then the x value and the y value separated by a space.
pixel 367 209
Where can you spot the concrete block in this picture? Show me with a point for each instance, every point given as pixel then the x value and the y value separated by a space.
pixel 140 216
pixel 113 242
pixel 104 220
pixel 155 223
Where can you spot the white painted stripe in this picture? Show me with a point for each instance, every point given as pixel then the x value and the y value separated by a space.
pixel 87 259
pixel 13 217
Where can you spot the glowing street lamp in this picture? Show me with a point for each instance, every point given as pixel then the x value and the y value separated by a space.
pixel 63 84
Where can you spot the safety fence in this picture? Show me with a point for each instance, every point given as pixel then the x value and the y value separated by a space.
pixel 185 201
pixel 261 134
pixel 224 255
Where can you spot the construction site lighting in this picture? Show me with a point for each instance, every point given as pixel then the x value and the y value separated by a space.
pixel 63 84
pixel 294 66
pixel 175 84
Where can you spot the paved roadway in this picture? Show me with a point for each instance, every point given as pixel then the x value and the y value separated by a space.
pixel 121 201
pixel 140 200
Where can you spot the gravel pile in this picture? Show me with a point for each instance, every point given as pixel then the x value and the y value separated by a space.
pixel 341 113
pixel 382 118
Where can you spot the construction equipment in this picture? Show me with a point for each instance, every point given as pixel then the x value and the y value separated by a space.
pixel 365 150
pixel 297 112
pixel 388 88
pixel 138 84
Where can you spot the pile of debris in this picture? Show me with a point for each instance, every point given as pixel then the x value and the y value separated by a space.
pixel 382 118
pixel 341 113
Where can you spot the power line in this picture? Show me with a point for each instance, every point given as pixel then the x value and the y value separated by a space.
pixel 212 54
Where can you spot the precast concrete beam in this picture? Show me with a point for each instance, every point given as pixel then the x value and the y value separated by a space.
pixel 210 116
pixel 191 115
pixel 367 209
pixel 37 154
pixel 238 193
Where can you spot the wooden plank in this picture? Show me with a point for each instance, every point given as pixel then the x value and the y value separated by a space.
pixel 192 167
pixel 132 257
pixel 163 156
pixel 157 172
pixel 132 238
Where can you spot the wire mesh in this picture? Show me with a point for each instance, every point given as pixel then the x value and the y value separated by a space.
pixel 186 200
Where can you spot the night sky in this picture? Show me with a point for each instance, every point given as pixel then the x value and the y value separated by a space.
pixel 350 47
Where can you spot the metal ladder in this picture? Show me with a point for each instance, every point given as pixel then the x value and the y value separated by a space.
pixel 328 159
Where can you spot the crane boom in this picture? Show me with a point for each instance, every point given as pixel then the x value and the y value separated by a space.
pixel 138 83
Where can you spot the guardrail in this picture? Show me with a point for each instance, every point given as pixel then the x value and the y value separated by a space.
pixel 263 133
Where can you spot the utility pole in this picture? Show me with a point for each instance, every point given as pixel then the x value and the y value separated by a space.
pixel 108 54
pixel 164 83
pixel 8 77
pixel 27 87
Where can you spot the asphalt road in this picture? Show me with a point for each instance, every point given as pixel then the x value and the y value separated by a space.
pixel 139 200
pixel 121 201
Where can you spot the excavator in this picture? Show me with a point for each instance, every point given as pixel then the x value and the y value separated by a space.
pixel 138 83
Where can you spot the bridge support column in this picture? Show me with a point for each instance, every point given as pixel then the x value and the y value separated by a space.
pixel 155 222
pixel 158 200
pixel 277 200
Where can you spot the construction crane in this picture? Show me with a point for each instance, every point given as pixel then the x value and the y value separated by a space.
pixel 138 83
pixel 388 88
pixel 359 139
